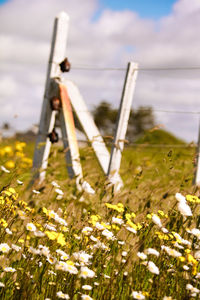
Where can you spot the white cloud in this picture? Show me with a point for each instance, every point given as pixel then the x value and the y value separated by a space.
pixel 8 86
pixel 111 40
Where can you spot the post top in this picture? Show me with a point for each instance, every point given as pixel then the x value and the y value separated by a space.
pixel 62 15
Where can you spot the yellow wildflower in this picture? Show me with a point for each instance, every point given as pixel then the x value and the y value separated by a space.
pixel 10 193
pixel 161 213
pixel 70 262
pixel 86 239
pixel 191 259
pixel 22 203
pixel 149 216
pixel 52 235
pixel 2 201
pixel 27 162
pixel 12 190
pixel 64 228
pixel 187 251
pixel 119 207
pixel 19 146
pixel 45 211
pixel 192 198
pixel 39 226
pixel 8 150
pixel 58 236
pixel 21 241
pixel 10 164
pixel 3 223
pixel 181 258
pixel 105 225
pixel 61 239
pixel 131 224
pixel 162 236
pixel 115 227
pixel 93 220
pixel 128 216
pixel 28 209
pixel 7 193
pixel 194 270
pixel 20 154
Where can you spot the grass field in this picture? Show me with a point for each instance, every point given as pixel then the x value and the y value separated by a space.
pixel 141 243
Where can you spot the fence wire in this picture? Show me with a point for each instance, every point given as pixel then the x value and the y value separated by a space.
pixel 97 68
pixel 85 67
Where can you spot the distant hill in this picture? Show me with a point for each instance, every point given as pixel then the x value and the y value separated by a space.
pixel 159 136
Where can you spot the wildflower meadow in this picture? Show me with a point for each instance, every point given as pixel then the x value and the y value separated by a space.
pixel 57 242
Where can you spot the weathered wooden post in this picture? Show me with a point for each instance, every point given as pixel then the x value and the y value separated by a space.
pixel 122 123
pixel 196 180
pixel 47 118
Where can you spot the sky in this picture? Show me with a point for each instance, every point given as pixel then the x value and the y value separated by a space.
pixel 145 8
pixel 155 34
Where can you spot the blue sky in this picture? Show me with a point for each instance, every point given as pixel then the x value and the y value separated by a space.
pixel 145 8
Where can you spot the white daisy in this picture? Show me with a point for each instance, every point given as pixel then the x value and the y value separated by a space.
pixel 30 227
pixel 86 272
pixel 4 248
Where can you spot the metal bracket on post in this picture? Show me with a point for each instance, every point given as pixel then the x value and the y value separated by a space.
pixel 122 124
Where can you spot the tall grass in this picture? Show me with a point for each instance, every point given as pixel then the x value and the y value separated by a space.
pixel 57 242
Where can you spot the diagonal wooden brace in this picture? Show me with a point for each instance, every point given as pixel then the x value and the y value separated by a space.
pixel 65 116
pixel 69 135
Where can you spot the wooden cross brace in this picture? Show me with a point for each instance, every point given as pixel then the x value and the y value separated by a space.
pixel 64 114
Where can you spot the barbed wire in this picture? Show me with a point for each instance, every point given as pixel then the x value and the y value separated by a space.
pixel 153 110
pixel 172 111
pixel 163 145
pixel 186 68
pixel 97 68
pixel 144 145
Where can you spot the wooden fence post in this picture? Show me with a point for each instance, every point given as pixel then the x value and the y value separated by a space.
pixel 122 122
pixel 196 180
pixel 57 55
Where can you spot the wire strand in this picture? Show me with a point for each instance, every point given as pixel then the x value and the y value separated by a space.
pixel 96 68
pixel 137 145
pixel 153 110
pixel 173 111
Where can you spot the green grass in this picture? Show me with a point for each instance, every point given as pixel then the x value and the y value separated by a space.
pixel 151 175
pixel 159 136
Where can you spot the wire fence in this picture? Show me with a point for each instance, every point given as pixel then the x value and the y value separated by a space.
pixel 97 68
pixel 86 67
pixel 109 142
pixel 143 108
pixel 184 68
